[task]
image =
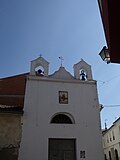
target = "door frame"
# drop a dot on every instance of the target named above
(74, 139)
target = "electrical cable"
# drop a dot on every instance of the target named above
(111, 106)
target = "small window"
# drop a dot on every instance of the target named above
(107, 139)
(61, 119)
(113, 135)
(110, 137)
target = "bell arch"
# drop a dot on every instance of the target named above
(62, 118)
(83, 75)
(39, 71)
(40, 62)
(82, 66)
(116, 155)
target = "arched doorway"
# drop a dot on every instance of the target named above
(105, 157)
(116, 155)
(110, 158)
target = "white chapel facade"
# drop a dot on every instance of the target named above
(61, 118)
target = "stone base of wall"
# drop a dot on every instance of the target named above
(9, 154)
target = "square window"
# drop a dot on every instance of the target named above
(63, 97)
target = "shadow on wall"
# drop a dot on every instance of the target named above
(9, 154)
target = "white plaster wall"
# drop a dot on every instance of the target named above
(42, 102)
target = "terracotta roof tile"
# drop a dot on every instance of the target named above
(12, 90)
(13, 85)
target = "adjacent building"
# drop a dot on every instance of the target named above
(12, 91)
(109, 10)
(111, 141)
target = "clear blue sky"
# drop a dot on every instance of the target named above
(53, 28)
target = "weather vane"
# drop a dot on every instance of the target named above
(61, 58)
(40, 55)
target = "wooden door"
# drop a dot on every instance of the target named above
(61, 149)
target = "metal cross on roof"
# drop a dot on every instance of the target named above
(61, 58)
